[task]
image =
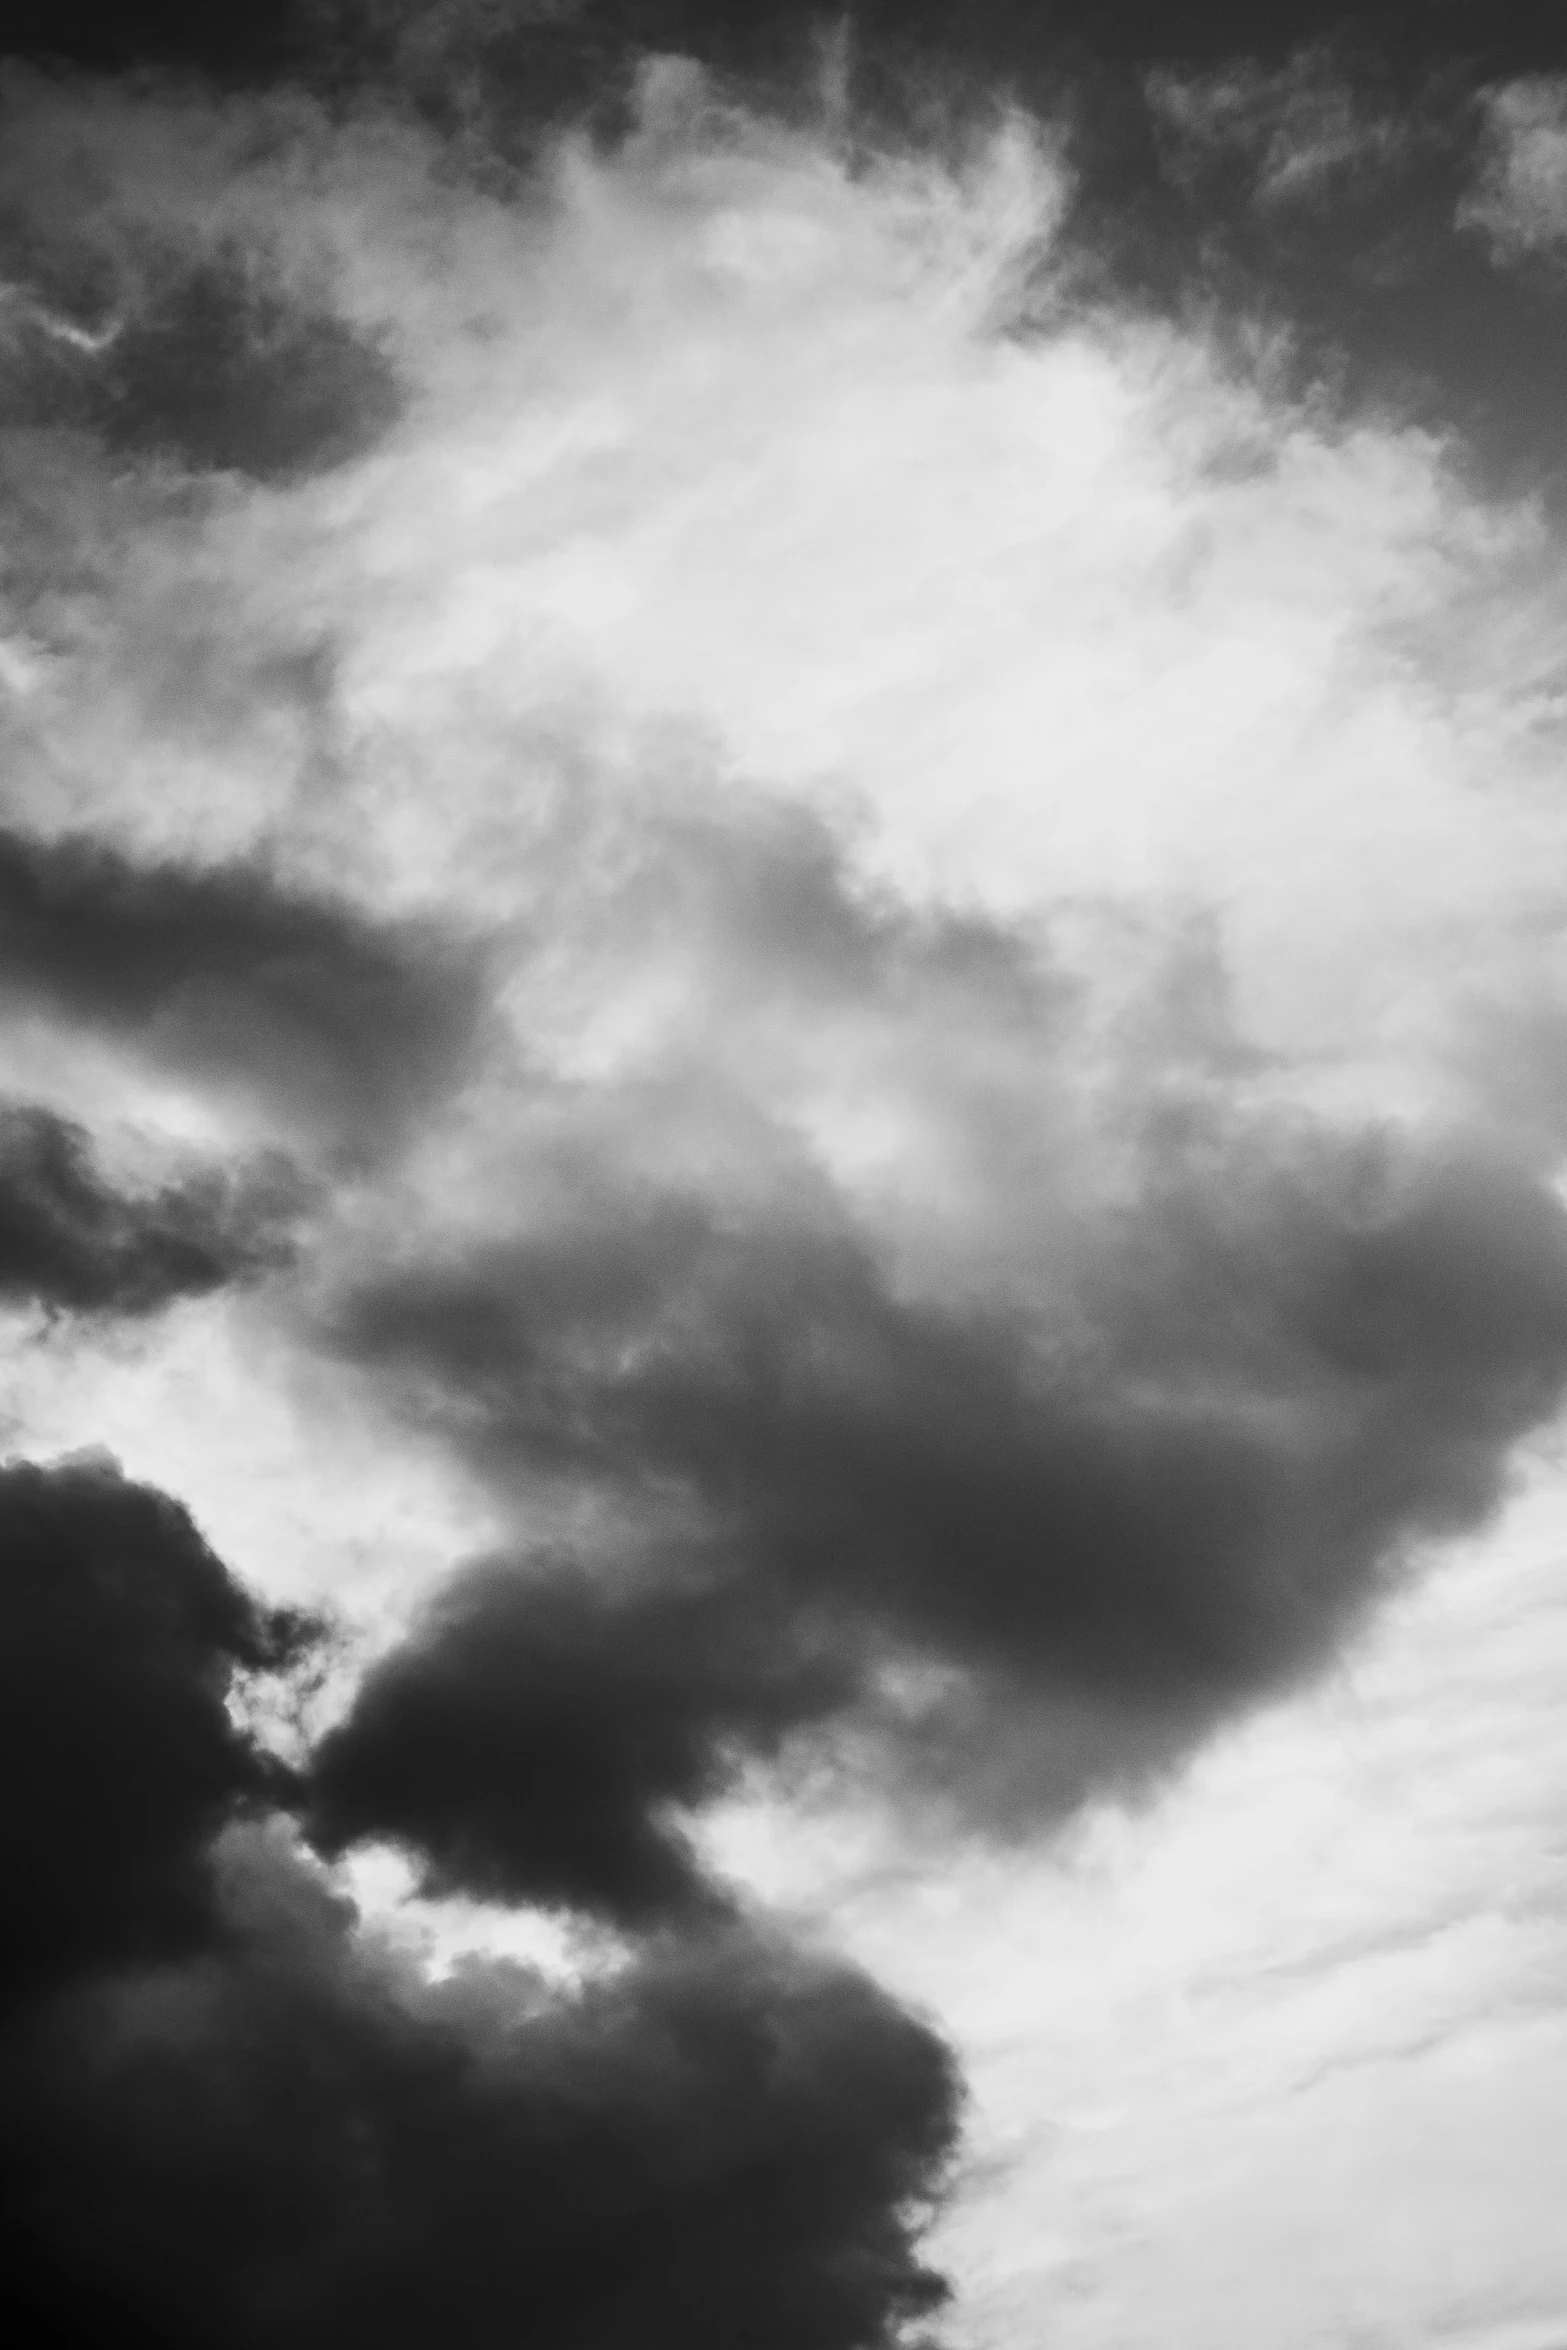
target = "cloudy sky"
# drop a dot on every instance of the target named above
(783, 1175)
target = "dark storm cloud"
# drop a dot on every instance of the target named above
(227, 972)
(295, 2142)
(1288, 1361)
(228, 2114)
(532, 1735)
(69, 1239)
(210, 368)
(121, 1636)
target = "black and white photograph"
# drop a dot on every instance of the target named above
(783, 1175)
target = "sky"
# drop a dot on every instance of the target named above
(783, 1176)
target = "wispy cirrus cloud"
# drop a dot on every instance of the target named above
(1304, 131)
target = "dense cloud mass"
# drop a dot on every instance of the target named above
(123, 1634)
(210, 371)
(532, 1736)
(70, 1239)
(1290, 1368)
(227, 973)
(283, 2134)
(295, 2142)
(1139, 1447)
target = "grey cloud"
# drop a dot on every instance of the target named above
(293, 2140)
(539, 1733)
(227, 2113)
(1029, 1535)
(1021, 1499)
(1289, 1364)
(69, 1239)
(1290, 1360)
(1304, 131)
(139, 306)
(123, 1635)
(229, 973)
(1518, 195)
(208, 366)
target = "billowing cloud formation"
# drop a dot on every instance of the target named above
(228, 2110)
(296, 2143)
(70, 1239)
(123, 1634)
(1086, 1381)
(987, 1348)
(225, 972)
(534, 1736)
(1294, 1359)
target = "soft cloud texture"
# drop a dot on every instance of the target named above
(123, 1636)
(1520, 196)
(225, 2107)
(70, 1240)
(1303, 129)
(908, 919)
(1301, 2018)
(224, 973)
